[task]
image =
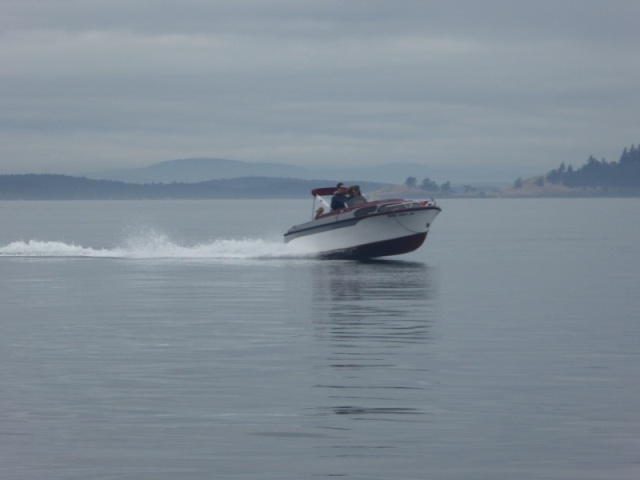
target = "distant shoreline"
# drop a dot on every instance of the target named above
(63, 187)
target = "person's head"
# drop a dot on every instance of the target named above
(355, 190)
(340, 186)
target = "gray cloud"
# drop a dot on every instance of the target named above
(516, 85)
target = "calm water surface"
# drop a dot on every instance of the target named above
(183, 340)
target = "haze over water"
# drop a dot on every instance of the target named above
(174, 340)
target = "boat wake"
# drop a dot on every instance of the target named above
(157, 246)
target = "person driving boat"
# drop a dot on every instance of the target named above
(339, 199)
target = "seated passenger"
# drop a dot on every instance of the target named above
(339, 198)
(355, 196)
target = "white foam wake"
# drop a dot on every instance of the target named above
(156, 246)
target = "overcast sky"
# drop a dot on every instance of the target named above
(520, 85)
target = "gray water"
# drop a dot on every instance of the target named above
(183, 340)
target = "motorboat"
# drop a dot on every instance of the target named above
(364, 228)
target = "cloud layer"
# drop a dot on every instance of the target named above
(505, 84)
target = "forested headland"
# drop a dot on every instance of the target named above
(625, 173)
(595, 178)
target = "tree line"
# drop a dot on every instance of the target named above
(445, 188)
(625, 173)
(429, 185)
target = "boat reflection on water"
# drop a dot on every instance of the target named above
(374, 319)
(387, 301)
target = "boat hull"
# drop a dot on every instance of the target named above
(385, 248)
(349, 235)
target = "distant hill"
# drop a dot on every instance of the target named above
(193, 170)
(201, 169)
(219, 178)
(64, 187)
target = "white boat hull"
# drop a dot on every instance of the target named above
(356, 233)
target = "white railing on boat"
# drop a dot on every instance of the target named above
(322, 208)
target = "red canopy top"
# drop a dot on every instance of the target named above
(324, 191)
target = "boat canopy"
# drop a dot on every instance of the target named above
(324, 191)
